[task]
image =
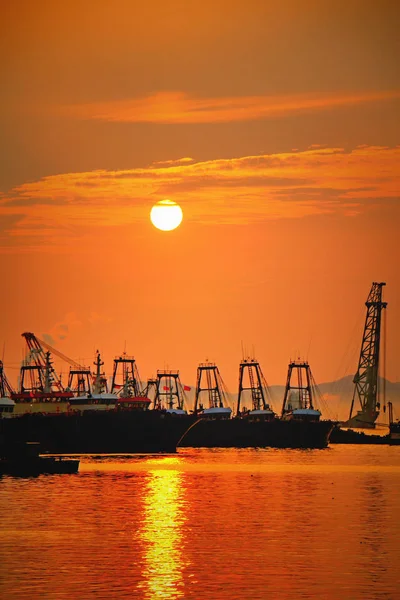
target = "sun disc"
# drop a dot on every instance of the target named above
(166, 215)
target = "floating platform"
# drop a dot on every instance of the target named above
(24, 460)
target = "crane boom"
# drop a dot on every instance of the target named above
(37, 344)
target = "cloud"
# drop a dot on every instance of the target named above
(60, 330)
(239, 190)
(49, 339)
(181, 108)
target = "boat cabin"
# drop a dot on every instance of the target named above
(134, 403)
(214, 413)
(6, 407)
(94, 402)
(266, 414)
(303, 414)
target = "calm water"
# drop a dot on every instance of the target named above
(204, 524)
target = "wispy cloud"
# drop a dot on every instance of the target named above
(239, 190)
(179, 107)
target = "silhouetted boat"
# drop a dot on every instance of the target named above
(24, 460)
(299, 426)
(394, 428)
(121, 430)
(94, 421)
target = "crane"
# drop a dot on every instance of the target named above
(34, 343)
(37, 355)
(366, 378)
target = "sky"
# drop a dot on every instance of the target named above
(274, 125)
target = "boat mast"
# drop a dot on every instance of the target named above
(214, 386)
(150, 388)
(48, 374)
(257, 385)
(5, 387)
(130, 383)
(100, 382)
(79, 380)
(169, 390)
(366, 378)
(302, 387)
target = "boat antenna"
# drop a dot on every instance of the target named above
(309, 346)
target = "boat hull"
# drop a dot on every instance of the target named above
(38, 466)
(242, 433)
(394, 434)
(99, 432)
(340, 435)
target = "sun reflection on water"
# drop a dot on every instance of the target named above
(161, 534)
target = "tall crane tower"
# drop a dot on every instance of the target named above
(366, 382)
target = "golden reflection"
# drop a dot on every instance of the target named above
(161, 534)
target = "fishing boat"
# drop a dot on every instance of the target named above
(253, 388)
(169, 393)
(213, 428)
(305, 427)
(92, 395)
(95, 422)
(259, 426)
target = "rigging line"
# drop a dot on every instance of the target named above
(384, 359)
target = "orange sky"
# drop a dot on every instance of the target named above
(274, 125)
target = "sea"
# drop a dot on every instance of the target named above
(244, 524)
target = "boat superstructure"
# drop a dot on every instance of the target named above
(40, 388)
(253, 387)
(97, 396)
(366, 381)
(169, 392)
(298, 399)
(80, 380)
(126, 384)
(299, 427)
(6, 403)
(210, 386)
(94, 421)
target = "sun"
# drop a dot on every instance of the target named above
(166, 215)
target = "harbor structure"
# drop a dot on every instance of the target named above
(366, 380)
